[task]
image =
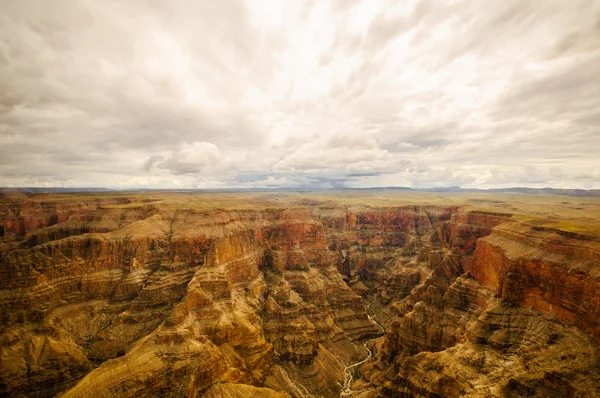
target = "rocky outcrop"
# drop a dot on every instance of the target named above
(509, 351)
(478, 334)
(21, 215)
(120, 296)
(546, 269)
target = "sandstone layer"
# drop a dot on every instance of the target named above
(117, 295)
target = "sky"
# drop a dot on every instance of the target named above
(311, 94)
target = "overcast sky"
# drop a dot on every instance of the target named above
(480, 93)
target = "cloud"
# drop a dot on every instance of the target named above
(192, 158)
(328, 93)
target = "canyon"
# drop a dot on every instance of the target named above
(299, 294)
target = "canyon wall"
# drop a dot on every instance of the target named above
(549, 270)
(125, 296)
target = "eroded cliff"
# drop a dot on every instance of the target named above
(137, 296)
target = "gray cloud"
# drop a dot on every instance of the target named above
(339, 93)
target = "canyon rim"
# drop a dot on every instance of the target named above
(310, 294)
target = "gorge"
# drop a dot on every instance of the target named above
(277, 294)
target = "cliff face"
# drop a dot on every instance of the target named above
(116, 296)
(548, 270)
(482, 316)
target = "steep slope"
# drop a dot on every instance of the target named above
(131, 296)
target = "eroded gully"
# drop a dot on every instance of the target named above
(346, 389)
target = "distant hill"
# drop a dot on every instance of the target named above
(521, 190)
(551, 191)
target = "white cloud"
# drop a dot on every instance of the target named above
(325, 93)
(192, 158)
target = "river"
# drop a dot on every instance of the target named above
(346, 389)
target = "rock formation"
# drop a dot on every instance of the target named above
(132, 295)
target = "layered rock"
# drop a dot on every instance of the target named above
(549, 270)
(113, 296)
(21, 215)
(466, 336)
(508, 351)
